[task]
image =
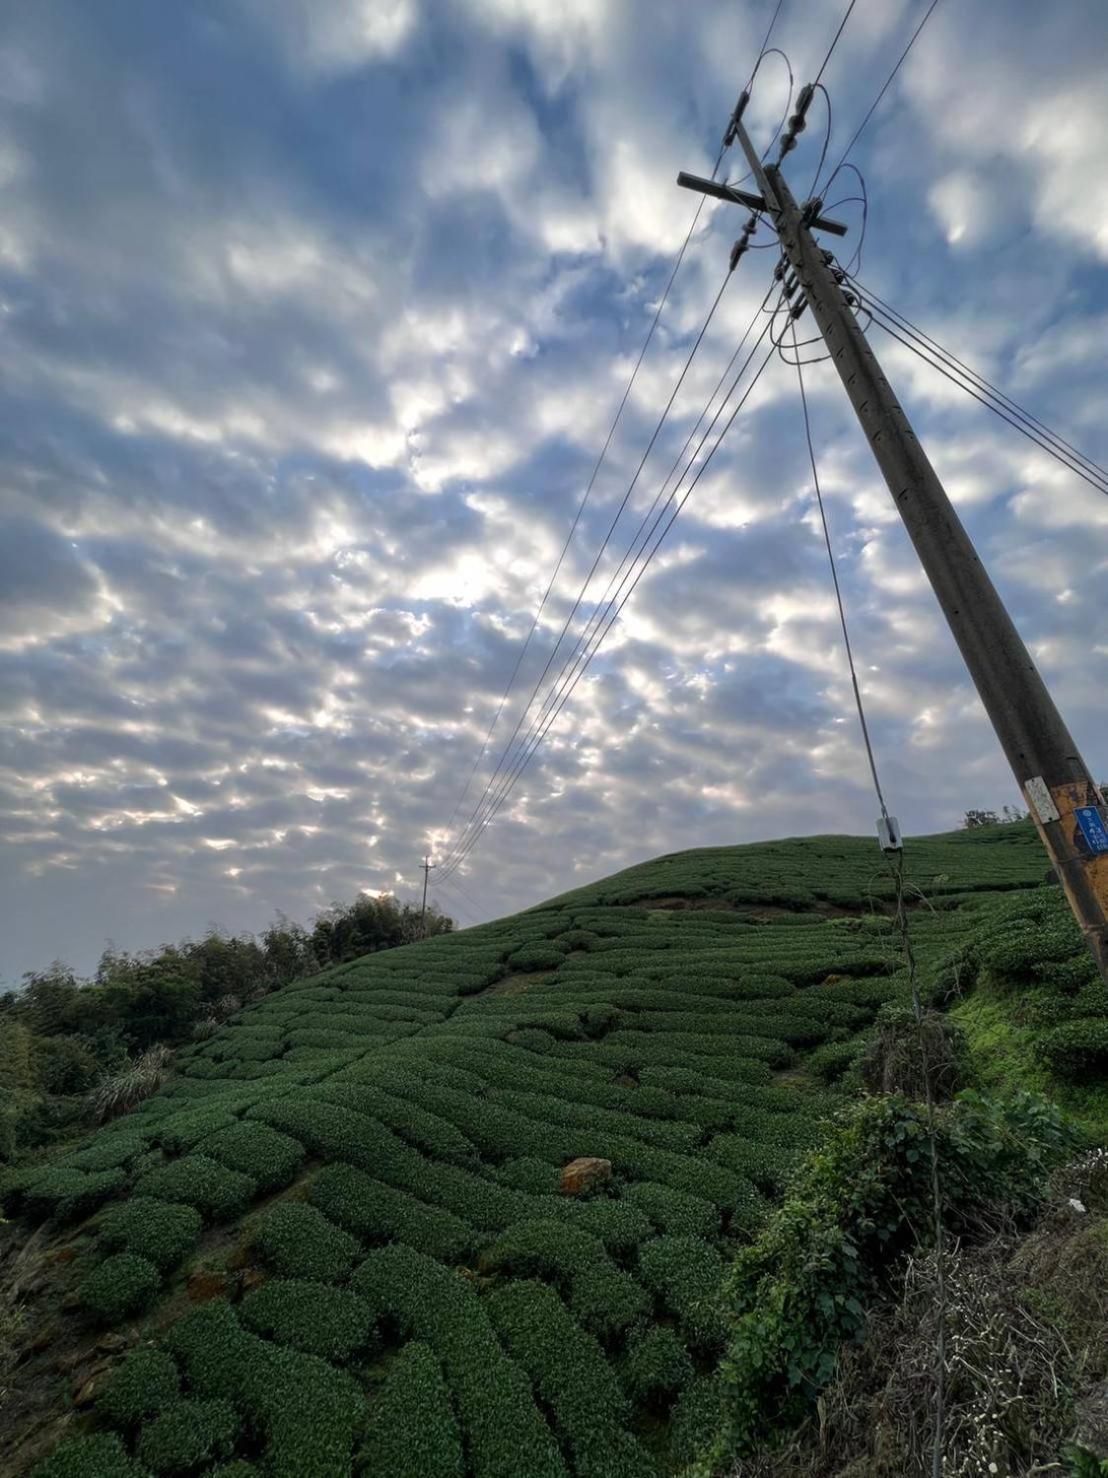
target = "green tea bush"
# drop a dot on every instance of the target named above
(307, 1410)
(685, 1274)
(69, 1194)
(297, 1241)
(313, 1317)
(269, 1158)
(677, 1212)
(603, 1298)
(504, 1432)
(656, 1366)
(1076, 1049)
(573, 1379)
(161, 1231)
(100, 1456)
(537, 1177)
(143, 1382)
(424, 1131)
(537, 957)
(411, 1427)
(187, 1433)
(119, 1286)
(374, 1211)
(695, 1419)
(109, 1151)
(198, 1181)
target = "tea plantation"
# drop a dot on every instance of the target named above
(338, 1242)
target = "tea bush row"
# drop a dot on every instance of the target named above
(411, 1427)
(573, 1379)
(504, 1433)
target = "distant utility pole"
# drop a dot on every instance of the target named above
(427, 866)
(1064, 801)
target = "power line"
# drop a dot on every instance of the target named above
(507, 750)
(835, 581)
(588, 490)
(586, 658)
(495, 794)
(887, 84)
(835, 38)
(585, 635)
(981, 390)
(948, 354)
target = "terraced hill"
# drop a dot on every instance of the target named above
(338, 1241)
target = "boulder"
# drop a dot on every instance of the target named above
(583, 1174)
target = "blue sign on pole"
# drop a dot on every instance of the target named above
(1093, 828)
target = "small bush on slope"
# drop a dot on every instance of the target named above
(411, 1427)
(297, 1241)
(98, 1456)
(120, 1285)
(141, 1384)
(186, 1434)
(309, 1316)
(161, 1231)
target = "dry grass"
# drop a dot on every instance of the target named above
(121, 1091)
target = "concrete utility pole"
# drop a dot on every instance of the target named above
(1064, 801)
(427, 866)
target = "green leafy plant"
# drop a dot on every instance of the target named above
(411, 1426)
(119, 1286)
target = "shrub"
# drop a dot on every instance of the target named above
(505, 1435)
(108, 1151)
(685, 1274)
(199, 1181)
(297, 1241)
(308, 1316)
(267, 1157)
(1077, 1049)
(142, 1383)
(307, 1410)
(69, 1194)
(188, 1433)
(673, 1211)
(161, 1231)
(798, 1292)
(120, 1285)
(372, 1210)
(603, 1298)
(99, 1456)
(411, 1427)
(536, 1177)
(573, 1379)
(537, 957)
(695, 1418)
(656, 1366)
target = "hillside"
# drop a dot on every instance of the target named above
(338, 1240)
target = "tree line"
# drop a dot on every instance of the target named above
(69, 1044)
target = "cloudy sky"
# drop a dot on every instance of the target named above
(315, 315)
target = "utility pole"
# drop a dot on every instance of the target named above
(427, 866)
(1064, 801)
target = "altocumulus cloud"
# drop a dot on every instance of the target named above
(314, 315)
